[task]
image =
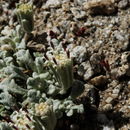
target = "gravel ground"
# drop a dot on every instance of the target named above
(97, 33)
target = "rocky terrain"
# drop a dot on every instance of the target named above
(97, 34)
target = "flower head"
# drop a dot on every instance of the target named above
(25, 7)
(22, 120)
(42, 109)
(62, 59)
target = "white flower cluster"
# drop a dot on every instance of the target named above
(42, 109)
(25, 7)
(62, 58)
(22, 120)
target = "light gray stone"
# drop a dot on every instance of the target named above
(109, 100)
(107, 107)
(123, 4)
(79, 54)
(53, 3)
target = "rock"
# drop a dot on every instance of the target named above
(125, 127)
(66, 6)
(114, 95)
(88, 23)
(6, 47)
(88, 74)
(99, 7)
(53, 3)
(80, 2)
(78, 13)
(99, 80)
(88, 87)
(113, 84)
(120, 35)
(109, 100)
(120, 71)
(55, 43)
(7, 31)
(95, 60)
(107, 107)
(123, 4)
(124, 70)
(85, 70)
(65, 1)
(79, 54)
(116, 91)
(125, 58)
(81, 69)
(114, 74)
